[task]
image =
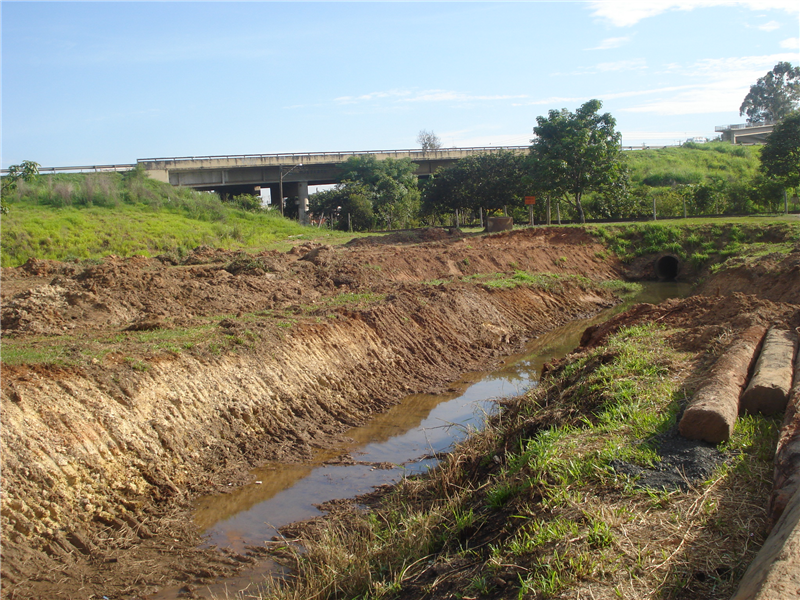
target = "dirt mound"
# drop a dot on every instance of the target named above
(173, 380)
(775, 277)
(411, 236)
(701, 318)
(166, 378)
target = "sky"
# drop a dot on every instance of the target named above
(98, 83)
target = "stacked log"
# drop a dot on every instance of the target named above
(711, 414)
(769, 388)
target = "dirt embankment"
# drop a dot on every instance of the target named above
(172, 380)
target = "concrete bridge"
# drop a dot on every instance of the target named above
(746, 133)
(248, 173)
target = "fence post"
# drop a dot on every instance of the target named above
(549, 222)
(654, 209)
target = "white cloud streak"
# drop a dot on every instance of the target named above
(610, 43)
(791, 44)
(771, 26)
(407, 96)
(721, 85)
(624, 13)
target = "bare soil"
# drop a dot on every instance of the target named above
(131, 386)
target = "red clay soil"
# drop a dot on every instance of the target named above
(133, 385)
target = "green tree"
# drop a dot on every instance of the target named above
(485, 181)
(780, 156)
(349, 204)
(390, 186)
(27, 171)
(574, 153)
(773, 96)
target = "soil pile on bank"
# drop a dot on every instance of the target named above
(132, 385)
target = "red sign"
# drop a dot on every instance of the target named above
(530, 199)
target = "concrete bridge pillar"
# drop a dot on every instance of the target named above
(302, 202)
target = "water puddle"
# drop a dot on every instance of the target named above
(402, 441)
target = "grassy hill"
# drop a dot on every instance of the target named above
(87, 216)
(693, 164)
(80, 217)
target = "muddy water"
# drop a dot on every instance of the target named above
(400, 442)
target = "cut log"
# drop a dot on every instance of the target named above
(774, 574)
(786, 481)
(769, 388)
(711, 414)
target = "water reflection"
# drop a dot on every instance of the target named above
(421, 425)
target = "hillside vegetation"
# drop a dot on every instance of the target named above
(72, 217)
(88, 216)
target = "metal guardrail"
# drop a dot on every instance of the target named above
(720, 128)
(86, 169)
(295, 155)
(414, 151)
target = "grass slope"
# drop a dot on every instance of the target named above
(693, 163)
(533, 507)
(80, 217)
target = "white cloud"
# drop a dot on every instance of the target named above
(721, 86)
(444, 95)
(402, 96)
(791, 44)
(633, 64)
(609, 43)
(660, 138)
(562, 101)
(486, 141)
(624, 13)
(771, 26)
(371, 96)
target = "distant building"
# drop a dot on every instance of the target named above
(746, 133)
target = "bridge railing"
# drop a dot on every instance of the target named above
(298, 155)
(85, 169)
(406, 152)
(743, 126)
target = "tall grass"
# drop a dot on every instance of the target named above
(693, 163)
(79, 216)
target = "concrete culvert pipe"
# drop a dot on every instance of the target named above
(668, 267)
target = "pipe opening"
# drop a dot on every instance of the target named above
(667, 268)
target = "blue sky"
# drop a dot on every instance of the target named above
(102, 83)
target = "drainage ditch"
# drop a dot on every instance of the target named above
(403, 441)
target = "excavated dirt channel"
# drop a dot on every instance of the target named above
(405, 440)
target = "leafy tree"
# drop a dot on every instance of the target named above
(780, 156)
(487, 181)
(390, 186)
(348, 204)
(574, 153)
(773, 96)
(27, 171)
(428, 140)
